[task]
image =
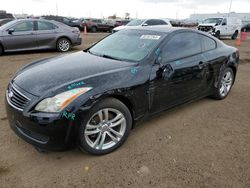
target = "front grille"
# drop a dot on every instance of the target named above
(205, 28)
(16, 99)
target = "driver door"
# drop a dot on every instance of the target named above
(181, 74)
(20, 36)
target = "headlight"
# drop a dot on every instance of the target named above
(60, 101)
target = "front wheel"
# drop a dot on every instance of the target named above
(235, 35)
(217, 34)
(105, 127)
(1, 50)
(225, 84)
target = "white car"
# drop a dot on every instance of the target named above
(144, 22)
(222, 27)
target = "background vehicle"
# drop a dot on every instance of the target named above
(35, 34)
(90, 103)
(67, 21)
(95, 25)
(144, 22)
(222, 27)
(4, 14)
(6, 20)
(121, 22)
(246, 28)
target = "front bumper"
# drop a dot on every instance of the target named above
(77, 42)
(56, 135)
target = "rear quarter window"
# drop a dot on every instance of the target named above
(207, 43)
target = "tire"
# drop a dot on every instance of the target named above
(1, 50)
(63, 45)
(217, 34)
(235, 35)
(93, 29)
(92, 131)
(225, 83)
(110, 30)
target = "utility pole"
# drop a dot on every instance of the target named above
(56, 8)
(230, 7)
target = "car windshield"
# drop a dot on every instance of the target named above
(127, 45)
(7, 24)
(213, 20)
(135, 22)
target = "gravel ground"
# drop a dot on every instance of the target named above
(202, 144)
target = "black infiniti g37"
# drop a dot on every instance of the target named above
(94, 97)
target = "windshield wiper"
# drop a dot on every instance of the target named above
(105, 56)
(111, 57)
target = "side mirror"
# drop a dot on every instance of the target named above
(145, 24)
(224, 23)
(10, 31)
(167, 72)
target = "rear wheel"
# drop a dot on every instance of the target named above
(235, 35)
(225, 84)
(63, 45)
(94, 29)
(105, 127)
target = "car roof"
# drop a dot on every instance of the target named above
(167, 30)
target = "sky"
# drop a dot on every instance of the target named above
(177, 9)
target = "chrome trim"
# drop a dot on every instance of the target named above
(19, 92)
(11, 103)
(16, 90)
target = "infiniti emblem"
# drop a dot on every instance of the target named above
(10, 94)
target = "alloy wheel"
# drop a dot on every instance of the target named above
(64, 45)
(105, 129)
(226, 83)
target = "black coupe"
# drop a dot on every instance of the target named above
(94, 97)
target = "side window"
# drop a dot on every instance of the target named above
(181, 45)
(97, 21)
(161, 22)
(66, 20)
(45, 26)
(151, 22)
(207, 43)
(224, 22)
(24, 26)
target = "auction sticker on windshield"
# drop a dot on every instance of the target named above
(150, 37)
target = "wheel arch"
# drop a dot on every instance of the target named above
(125, 100)
(63, 36)
(234, 71)
(2, 45)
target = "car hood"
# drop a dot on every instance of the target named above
(121, 27)
(207, 24)
(41, 76)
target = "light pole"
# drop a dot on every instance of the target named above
(230, 7)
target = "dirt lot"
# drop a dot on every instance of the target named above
(203, 144)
